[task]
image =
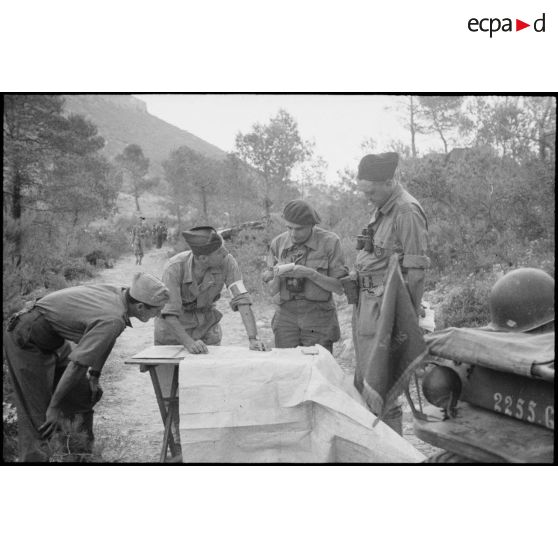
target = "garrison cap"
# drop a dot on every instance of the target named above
(203, 240)
(378, 168)
(300, 213)
(148, 289)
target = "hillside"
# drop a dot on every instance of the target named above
(123, 119)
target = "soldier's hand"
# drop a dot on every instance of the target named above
(257, 345)
(267, 275)
(301, 272)
(52, 415)
(197, 347)
(96, 390)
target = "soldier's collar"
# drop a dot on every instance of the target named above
(388, 205)
(125, 304)
(311, 242)
(189, 269)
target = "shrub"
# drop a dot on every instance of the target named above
(466, 304)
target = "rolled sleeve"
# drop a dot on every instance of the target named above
(232, 275)
(172, 278)
(411, 230)
(96, 343)
(337, 267)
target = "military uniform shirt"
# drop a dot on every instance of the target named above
(400, 227)
(93, 316)
(178, 276)
(323, 253)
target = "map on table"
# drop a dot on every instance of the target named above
(162, 352)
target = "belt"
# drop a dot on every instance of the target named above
(192, 307)
(39, 331)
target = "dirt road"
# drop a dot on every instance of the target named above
(128, 425)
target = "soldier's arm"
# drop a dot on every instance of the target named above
(172, 278)
(336, 270)
(327, 283)
(192, 346)
(272, 281)
(72, 375)
(411, 228)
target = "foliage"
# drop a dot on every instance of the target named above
(135, 167)
(273, 149)
(55, 183)
(465, 304)
(440, 114)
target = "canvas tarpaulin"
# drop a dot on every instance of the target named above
(505, 351)
(279, 406)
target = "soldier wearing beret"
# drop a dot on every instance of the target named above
(54, 380)
(398, 226)
(305, 264)
(195, 279)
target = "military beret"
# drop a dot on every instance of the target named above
(300, 213)
(378, 167)
(203, 240)
(148, 289)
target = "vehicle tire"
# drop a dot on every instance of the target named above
(447, 457)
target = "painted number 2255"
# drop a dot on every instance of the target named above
(522, 410)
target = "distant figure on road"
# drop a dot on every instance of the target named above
(53, 380)
(160, 233)
(139, 232)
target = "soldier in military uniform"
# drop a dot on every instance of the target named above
(305, 264)
(53, 380)
(139, 233)
(195, 279)
(398, 226)
(160, 233)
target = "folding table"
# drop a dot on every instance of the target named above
(162, 362)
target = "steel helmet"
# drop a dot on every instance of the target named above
(442, 387)
(522, 300)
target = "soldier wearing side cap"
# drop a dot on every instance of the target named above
(398, 226)
(53, 380)
(195, 279)
(305, 264)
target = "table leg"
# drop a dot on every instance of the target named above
(168, 407)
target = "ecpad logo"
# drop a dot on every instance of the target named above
(492, 25)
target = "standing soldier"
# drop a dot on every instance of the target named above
(159, 233)
(195, 279)
(398, 226)
(138, 239)
(305, 264)
(53, 380)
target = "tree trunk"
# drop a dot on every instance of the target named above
(178, 218)
(444, 140)
(136, 198)
(16, 214)
(203, 195)
(266, 200)
(412, 128)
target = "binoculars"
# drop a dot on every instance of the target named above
(295, 284)
(364, 241)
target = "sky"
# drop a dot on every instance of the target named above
(337, 124)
